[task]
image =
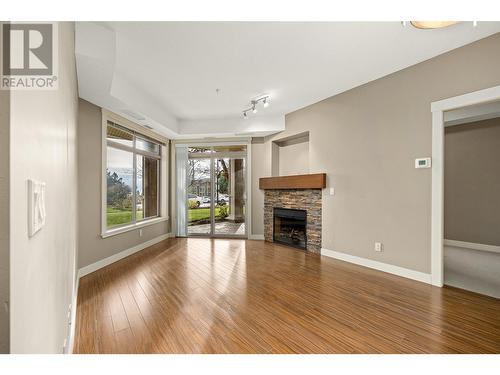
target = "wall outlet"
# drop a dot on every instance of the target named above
(332, 191)
(378, 246)
(140, 232)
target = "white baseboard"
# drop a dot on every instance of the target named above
(384, 267)
(256, 237)
(472, 246)
(123, 254)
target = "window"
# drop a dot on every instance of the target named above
(132, 177)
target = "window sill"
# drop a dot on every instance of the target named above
(128, 228)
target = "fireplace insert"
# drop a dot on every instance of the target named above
(289, 227)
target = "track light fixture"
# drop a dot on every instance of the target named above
(254, 103)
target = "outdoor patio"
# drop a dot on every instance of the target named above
(225, 228)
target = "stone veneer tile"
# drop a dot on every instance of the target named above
(301, 199)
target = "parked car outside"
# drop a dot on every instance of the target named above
(223, 199)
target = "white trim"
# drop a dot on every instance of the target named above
(104, 157)
(128, 228)
(476, 97)
(473, 246)
(256, 237)
(437, 200)
(384, 267)
(437, 209)
(123, 254)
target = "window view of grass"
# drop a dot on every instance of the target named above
(116, 216)
(199, 214)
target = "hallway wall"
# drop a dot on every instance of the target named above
(471, 205)
(472, 182)
(4, 218)
(43, 131)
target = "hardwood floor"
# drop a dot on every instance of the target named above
(236, 296)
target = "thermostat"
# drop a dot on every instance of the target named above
(423, 163)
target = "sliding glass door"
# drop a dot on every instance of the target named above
(216, 191)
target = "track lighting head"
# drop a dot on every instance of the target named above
(253, 105)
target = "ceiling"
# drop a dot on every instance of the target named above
(192, 79)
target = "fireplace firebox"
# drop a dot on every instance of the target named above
(289, 227)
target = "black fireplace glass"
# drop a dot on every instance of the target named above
(289, 227)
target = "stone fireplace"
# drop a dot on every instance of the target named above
(306, 200)
(292, 210)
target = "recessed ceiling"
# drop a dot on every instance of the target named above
(168, 72)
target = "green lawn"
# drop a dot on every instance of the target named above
(117, 217)
(196, 214)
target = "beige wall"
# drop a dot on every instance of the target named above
(4, 218)
(294, 159)
(472, 182)
(42, 268)
(92, 247)
(260, 168)
(366, 140)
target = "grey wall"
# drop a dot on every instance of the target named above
(366, 140)
(472, 182)
(92, 247)
(43, 148)
(4, 218)
(294, 159)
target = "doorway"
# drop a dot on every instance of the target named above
(216, 191)
(471, 199)
(439, 109)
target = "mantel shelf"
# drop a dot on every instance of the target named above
(303, 181)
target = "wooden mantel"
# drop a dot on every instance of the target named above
(302, 181)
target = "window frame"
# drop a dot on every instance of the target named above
(137, 131)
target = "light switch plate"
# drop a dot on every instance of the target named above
(36, 206)
(332, 191)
